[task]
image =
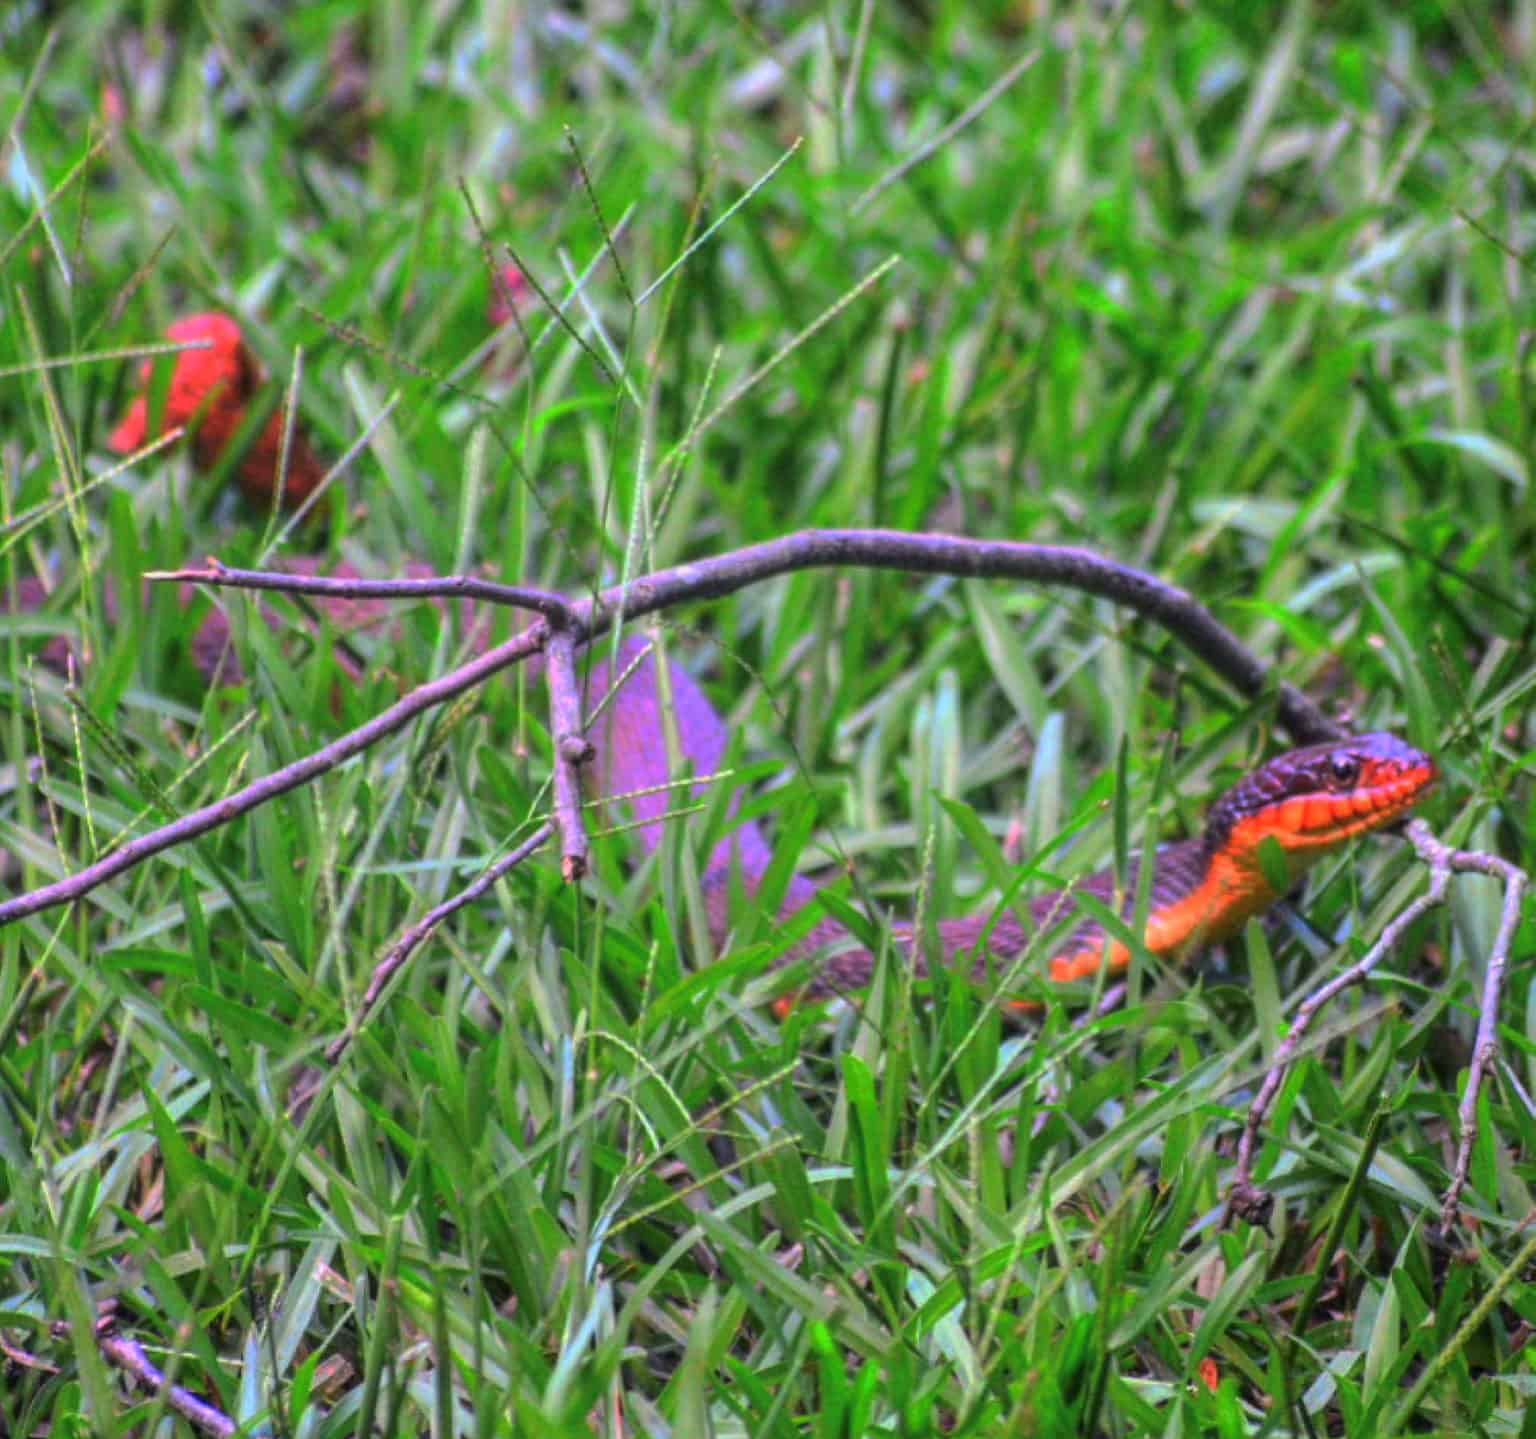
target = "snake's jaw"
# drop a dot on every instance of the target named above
(1310, 801)
(1302, 804)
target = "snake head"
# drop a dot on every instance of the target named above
(1309, 800)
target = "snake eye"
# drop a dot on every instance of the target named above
(1344, 770)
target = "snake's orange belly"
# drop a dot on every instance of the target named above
(1217, 908)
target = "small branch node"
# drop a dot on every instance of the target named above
(574, 749)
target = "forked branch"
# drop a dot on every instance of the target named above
(1247, 1201)
(584, 619)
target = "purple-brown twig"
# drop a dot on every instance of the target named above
(280, 781)
(554, 607)
(1176, 610)
(129, 1356)
(402, 949)
(572, 749)
(1484, 1046)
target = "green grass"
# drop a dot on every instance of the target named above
(1238, 293)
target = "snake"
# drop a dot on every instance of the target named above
(1258, 841)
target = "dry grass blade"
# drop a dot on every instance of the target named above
(978, 107)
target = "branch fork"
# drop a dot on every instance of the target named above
(1245, 1199)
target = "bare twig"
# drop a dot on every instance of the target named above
(1245, 1200)
(1484, 1046)
(1174, 609)
(416, 935)
(1154, 599)
(554, 607)
(129, 1356)
(23, 1359)
(572, 749)
(290, 777)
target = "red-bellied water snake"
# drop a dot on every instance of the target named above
(1203, 889)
